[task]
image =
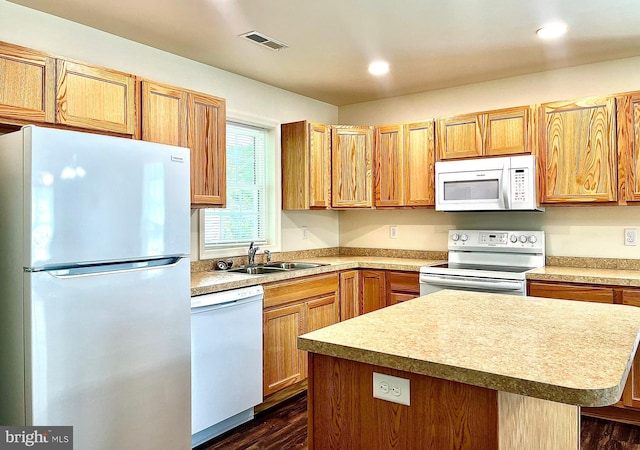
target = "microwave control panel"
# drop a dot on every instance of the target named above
(520, 189)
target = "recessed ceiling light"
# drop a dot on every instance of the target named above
(379, 68)
(552, 31)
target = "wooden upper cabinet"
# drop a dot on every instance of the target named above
(460, 137)
(507, 131)
(577, 155)
(164, 114)
(389, 166)
(207, 141)
(628, 137)
(175, 116)
(306, 165)
(95, 98)
(404, 165)
(27, 85)
(351, 166)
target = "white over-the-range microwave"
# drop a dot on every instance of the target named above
(487, 184)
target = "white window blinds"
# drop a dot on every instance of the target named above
(244, 218)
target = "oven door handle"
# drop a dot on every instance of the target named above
(450, 282)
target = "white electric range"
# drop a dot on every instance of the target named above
(486, 261)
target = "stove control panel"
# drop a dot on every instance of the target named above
(484, 239)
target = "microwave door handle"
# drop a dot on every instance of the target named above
(505, 186)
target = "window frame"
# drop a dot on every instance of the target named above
(272, 191)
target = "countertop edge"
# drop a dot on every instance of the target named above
(580, 397)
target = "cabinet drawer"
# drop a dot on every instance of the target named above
(406, 282)
(289, 291)
(571, 292)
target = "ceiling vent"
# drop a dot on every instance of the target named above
(264, 40)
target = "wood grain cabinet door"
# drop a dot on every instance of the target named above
(27, 84)
(460, 137)
(564, 291)
(578, 160)
(402, 286)
(389, 167)
(319, 165)
(321, 312)
(349, 289)
(164, 114)
(419, 164)
(508, 132)
(373, 293)
(351, 167)
(628, 120)
(284, 364)
(207, 140)
(95, 98)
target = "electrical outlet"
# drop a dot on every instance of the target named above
(630, 236)
(393, 232)
(305, 233)
(392, 389)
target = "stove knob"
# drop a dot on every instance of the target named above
(513, 238)
(523, 239)
(533, 239)
(464, 237)
(455, 237)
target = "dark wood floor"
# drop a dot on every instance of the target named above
(285, 428)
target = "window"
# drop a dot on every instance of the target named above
(245, 218)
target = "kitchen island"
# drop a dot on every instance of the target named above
(485, 372)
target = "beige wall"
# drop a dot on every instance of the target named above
(246, 98)
(570, 231)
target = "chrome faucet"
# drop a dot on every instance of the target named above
(252, 253)
(267, 255)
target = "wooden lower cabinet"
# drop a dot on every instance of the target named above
(293, 308)
(373, 293)
(349, 290)
(402, 286)
(628, 408)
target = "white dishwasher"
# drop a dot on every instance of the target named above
(226, 360)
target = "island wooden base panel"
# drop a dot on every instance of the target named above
(443, 414)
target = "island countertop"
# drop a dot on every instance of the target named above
(565, 351)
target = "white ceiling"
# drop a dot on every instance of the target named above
(429, 44)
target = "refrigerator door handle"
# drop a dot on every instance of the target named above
(106, 269)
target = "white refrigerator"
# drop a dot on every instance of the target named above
(94, 288)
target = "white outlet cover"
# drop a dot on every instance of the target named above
(392, 389)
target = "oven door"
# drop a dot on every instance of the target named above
(472, 185)
(433, 283)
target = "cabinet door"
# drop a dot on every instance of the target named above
(460, 137)
(164, 114)
(351, 167)
(373, 293)
(586, 293)
(577, 151)
(508, 132)
(628, 112)
(95, 98)
(319, 166)
(631, 393)
(389, 166)
(419, 164)
(284, 364)
(207, 141)
(402, 286)
(349, 302)
(27, 84)
(321, 312)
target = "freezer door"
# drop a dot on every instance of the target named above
(92, 198)
(110, 355)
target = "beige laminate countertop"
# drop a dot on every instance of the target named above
(570, 352)
(217, 280)
(616, 277)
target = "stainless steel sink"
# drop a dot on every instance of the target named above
(257, 270)
(274, 267)
(295, 265)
